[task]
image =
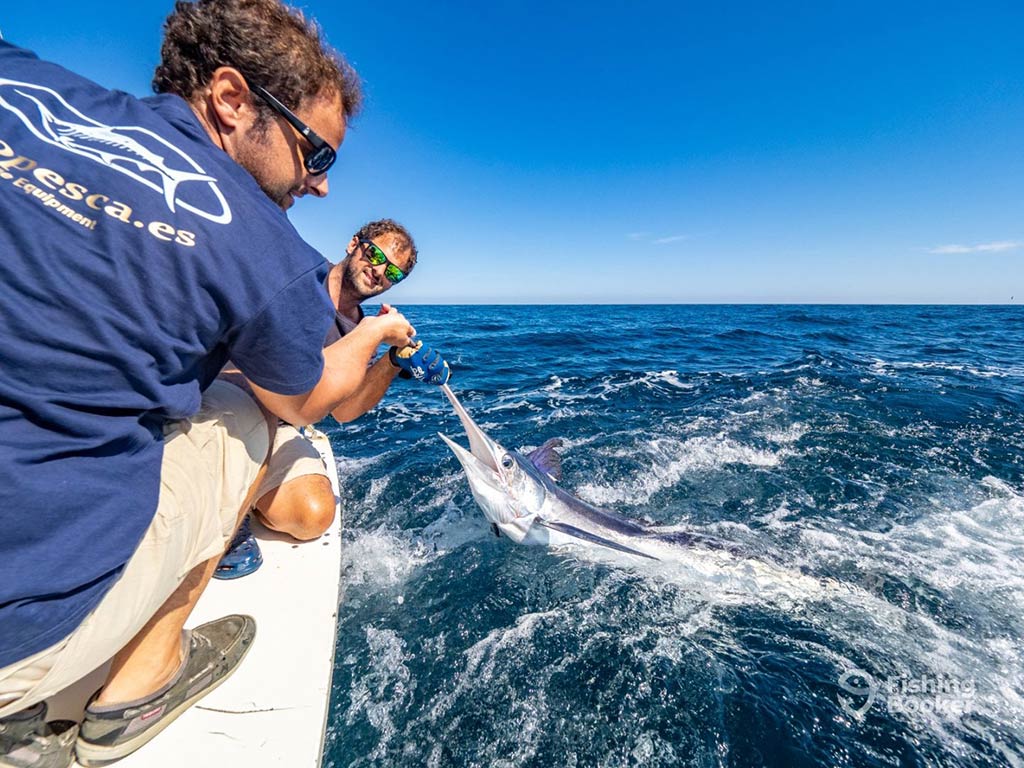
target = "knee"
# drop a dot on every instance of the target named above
(302, 508)
(316, 516)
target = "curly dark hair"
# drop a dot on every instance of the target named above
(271, 44)
(391, 227)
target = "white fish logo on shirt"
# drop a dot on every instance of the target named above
(132, 150)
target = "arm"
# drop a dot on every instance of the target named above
(345, 369)
(378, 378)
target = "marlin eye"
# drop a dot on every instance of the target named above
(507, 461)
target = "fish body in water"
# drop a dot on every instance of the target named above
(519, 494)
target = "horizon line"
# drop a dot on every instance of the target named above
(507, 303)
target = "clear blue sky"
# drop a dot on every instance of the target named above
(549, 152)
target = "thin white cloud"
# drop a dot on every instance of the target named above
(996, 247)
(647, 237)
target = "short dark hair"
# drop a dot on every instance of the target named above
(391, 227)
(270, 43)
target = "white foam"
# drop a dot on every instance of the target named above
(454, 528)
(482, 656)
(611, 388)
(669, 459)
(758, 396)
(381, 558)
(670, 377)
(386, 687)
(786, 435)
(518, 404)
(895, 367)
(776, 518)
(485, 664)
(350, 466)
(554, 385)
(399, 412)
(972, 557)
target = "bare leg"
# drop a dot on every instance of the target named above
(303, 507)
(153, 656)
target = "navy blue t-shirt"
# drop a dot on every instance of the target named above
(135, 258)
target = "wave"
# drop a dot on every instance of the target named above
(745, 334)
(665, 461)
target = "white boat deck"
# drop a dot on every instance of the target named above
(273, 710)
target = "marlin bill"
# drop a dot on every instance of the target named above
(521, 498)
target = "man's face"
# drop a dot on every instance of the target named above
(274, 153)
(362, 279)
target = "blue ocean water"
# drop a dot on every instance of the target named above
(867, 464)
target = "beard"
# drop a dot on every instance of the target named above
(251, 154)
(350, 282)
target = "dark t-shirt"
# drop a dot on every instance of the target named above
(135, 256)
(342, 325)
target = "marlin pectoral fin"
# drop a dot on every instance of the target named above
(548, 460)
(570, 530)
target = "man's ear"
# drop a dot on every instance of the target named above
(353, 244)
(231, 99)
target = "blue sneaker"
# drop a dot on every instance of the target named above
(242, 557)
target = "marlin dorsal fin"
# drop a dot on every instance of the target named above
(547, 458)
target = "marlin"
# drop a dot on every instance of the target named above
(521, 498)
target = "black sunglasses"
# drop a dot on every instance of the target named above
(323, 155)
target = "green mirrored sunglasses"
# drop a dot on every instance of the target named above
(376, 257)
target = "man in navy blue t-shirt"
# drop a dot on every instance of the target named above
(142, 244)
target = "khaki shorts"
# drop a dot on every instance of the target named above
(209, 464)
(292, 456)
